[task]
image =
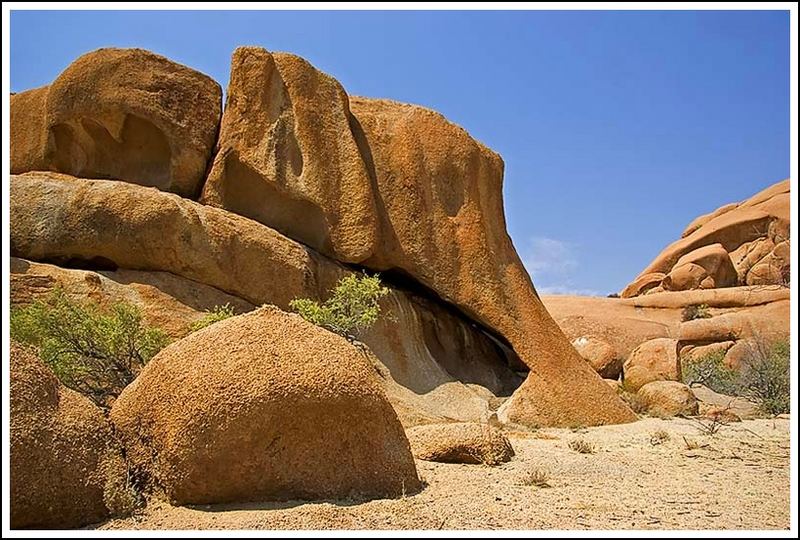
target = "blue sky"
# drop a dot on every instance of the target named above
(617, 128)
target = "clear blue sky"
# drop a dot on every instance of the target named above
(617, 128)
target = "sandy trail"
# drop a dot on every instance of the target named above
(737, 479)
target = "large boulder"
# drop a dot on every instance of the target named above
(395, 188)
(63, 454)
(460, 443)
(708, 267)
(175, 258)
(600, 354)
(668, 398)
(754, 234)
(85, 222)
(654, 360)
(287, 156)
(263, 406)
(125, 114)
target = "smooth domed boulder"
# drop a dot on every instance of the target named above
(287, 157)
(708, 267)
(600, 354)
(460, 443)
(263, 406)
(125, 114)
(654, 360)
(746, 231)
(643, 284)
(63, 454)
(668, 398)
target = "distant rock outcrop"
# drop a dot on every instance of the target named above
(125, 114)
(264, 406)
(738, 244)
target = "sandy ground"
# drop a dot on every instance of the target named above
(737, 479)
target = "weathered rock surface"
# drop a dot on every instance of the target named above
(127, 226)
(711, 402)
(264, 406)
(600, 354)
(124, 114)
(668, 398)
(167, 301)
(654, 360)
(287, 156)
(62, 450)
(754, 234)
(460, 443)
(395, 188)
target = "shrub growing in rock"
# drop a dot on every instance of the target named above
(219, 313)
(711, 371)
(695, 311)
(765, 376)
(93, 351)
(353, 306)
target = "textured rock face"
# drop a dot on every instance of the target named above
(600, 354)
(654, 360)
(287, 156)
(754, 234)
(125, 114)
(264, 406)
(460, 443)
(177, 258)
(61, 450)
(668, 398)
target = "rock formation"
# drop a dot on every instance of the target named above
(390, 187)
(263, 406)
(63, 455)
(460, 443)
(668, 398)
(125, 114)
(737, 244)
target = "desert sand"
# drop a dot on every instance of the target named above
(735, 479)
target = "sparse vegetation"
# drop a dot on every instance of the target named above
(582, 446)
(659, 437)
(218, 313)
(695, 311)
(763, 376)
(537, 476)
(97, 352)
(353, 306)
(711, 371)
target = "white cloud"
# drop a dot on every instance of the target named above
(551, 263)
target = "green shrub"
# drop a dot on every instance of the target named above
(765, 376)
(219, 313)
(353, 306)
(695, 311)
(93, 351)
(711, 371)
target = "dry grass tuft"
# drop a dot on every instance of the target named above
(659, 437)
(538, 477)
(582, 446)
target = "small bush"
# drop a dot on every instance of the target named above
(659, 437)
(695, 311)
(537, 477)
(95, 352)
(219, 313)
(353, 307)
(765, 376)
(711, 371)
(582, 446)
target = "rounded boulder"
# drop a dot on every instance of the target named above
(263, 406)
(668, 398)
(460, 443)
(653, 360)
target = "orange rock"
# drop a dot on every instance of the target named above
(654, 360)
(708, 267)
(601, 356)
(125, 114)
(668, 398)
(264, 406)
